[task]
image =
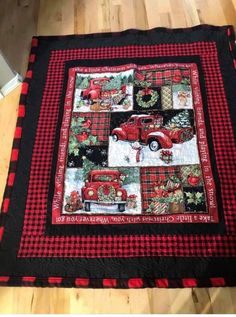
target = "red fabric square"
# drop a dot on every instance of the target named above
(162, 282)
(11, 178)
(135, 283)
(217, 281)
(14, 155)
(109, 282)
(1, 232)
(81, 282)
(6, 203)
(24, 89)
(29, 279)
(189, 282)
(32, 58)
(21, 111)
(4, 279)
(34, 42)
(29, 74)
(18, 132)
(54, 280)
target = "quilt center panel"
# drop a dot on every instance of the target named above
(133, 147)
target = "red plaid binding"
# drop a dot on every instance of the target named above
(232, 45)
(115, 283)
(17, 135)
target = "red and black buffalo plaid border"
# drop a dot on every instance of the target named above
(30, 257)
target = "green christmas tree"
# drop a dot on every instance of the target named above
(181, 120)
(85, 83)
(130, 78)
(78, 81)
(114, 83)
(87, 167)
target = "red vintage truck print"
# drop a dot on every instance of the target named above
(104, 187)
(94, 91)
(149, 130)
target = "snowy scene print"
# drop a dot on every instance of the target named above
(153, 139)
(182, 97)
(104, 92)
(96, 190)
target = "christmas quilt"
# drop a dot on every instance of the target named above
(122, 171)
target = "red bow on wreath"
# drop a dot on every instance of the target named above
(146, 91)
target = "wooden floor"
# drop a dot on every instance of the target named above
(19, 20)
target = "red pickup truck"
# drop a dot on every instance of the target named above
(104, 187)
(94, 91)
(149, 129)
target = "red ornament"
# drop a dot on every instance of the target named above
(177, 76)
(146, 91)
(82, 137)
(193, 180)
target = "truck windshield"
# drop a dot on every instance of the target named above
(145, 121)
(104, 178)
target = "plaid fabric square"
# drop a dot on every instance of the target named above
(100, 124)
(162, 77)
(150, 176)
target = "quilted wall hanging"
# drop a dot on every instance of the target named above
(122, 170)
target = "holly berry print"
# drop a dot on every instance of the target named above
(80, 135)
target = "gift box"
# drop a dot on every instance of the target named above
(166, 156)
(131, 201)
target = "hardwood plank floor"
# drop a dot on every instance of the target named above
(19, 20)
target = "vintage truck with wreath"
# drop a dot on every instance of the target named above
(149, 130)
(104, 187)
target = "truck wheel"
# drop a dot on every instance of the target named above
(121, 207)
(154, 145)
(87, 206)
(115, 137)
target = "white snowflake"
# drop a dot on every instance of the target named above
(103, 152)
(104, 163)
(89, 151)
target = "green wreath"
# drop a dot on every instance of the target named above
(110, 196)
(149, 103)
